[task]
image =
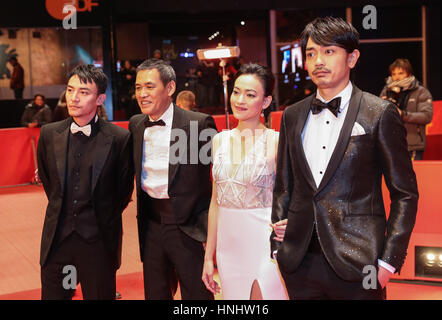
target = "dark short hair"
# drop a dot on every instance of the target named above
(262, 73)
(39, 95)
(13, 58)
(401, 64)
(331, 31)
(165, 70)
(92, 74)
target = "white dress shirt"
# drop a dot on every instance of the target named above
(155, 164)
(321, 133)
(319, 138)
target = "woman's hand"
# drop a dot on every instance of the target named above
(208, 270)
(279, 229)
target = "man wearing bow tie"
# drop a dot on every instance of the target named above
(85, 165)
(173, 198)
(334, 148)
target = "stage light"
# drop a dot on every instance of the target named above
(213, 36)
(187, 54)
(218, 53)
(243, 23)
(222, 53)
(430, 259)
(428, 262)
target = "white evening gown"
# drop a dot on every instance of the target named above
(245, 206)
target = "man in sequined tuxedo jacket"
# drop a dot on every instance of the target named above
(334, 147)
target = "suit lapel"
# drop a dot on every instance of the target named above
(180, 121)
(299, 149)
(61, 150)
(344, 137)
(103, 146)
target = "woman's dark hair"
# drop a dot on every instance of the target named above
(262, 73)
(331, 31)
(401, 64)
(92, 74)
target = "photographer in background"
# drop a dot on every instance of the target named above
(37, 112)
(414, 103)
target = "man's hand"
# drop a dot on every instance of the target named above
(383, 276)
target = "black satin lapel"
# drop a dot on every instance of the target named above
(344, 137)
(299, 151)
(61, 153)
(180, 121)
(138, 148)
(104, 144)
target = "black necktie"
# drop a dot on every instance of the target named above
(333, 106)
(154, 123)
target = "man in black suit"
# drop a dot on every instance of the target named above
(334, 148)
(173, 185)
(85, 165)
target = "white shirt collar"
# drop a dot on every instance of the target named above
(345, 95)
(167, 116)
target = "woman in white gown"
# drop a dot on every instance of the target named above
(243, 172)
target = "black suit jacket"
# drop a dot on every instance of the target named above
(190, 188)
(347, 205)
(112, 181)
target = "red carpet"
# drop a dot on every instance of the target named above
(130, 286)
(21, 219)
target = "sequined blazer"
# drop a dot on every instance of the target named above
(347, 208)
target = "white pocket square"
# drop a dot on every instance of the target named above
(357, 130)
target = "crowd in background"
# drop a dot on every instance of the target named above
(204, 92)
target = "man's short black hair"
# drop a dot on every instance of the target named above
(331, 31)
(92, 74)
(165, 70)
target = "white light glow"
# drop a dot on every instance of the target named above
(217, 54)
(431, 256)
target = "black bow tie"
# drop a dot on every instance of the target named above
(333, 106)
(154, 123)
